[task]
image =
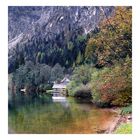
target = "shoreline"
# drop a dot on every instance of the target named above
(120, 119)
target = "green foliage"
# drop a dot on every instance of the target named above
(110, 86)
(42, 58)
(110, 42)
(108, 48)
(114, 41)
(38, 57)
(80, 78)
(57, 73)
(126, 110)
(61, 48)
(73, 87)
(81, 38)
(113, 86)
(82, 74)
(39, 76)
(84, 92)
(79, 59)
(70, 46)
(90, 54)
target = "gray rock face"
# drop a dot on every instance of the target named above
(20, 19)
(53, 20)
(48, 30)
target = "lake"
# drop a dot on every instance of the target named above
(65, 117)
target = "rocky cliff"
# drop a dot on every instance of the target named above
(40, 31)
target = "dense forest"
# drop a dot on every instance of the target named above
(98, 62)
(107, 72)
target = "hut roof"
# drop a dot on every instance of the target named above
(59, 86)
(65, 80)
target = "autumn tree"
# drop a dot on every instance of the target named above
(114, 41)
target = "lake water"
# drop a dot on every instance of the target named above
(68, 117)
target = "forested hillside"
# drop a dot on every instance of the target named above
(59, 32)
(91, 44)
(107, 72)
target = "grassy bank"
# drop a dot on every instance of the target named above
(124, 128)
(124, 125)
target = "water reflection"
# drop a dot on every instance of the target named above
(58, 117)
(63, 102)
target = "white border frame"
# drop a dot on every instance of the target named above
(4, 68)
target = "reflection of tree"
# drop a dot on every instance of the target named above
(57, 118)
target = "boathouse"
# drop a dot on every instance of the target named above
(61, 87)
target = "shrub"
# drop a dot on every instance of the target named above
(81, 76)
(72, 88)
(84, 92)
(126, 110)
(113, 86)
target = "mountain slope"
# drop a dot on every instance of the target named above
(51, 34)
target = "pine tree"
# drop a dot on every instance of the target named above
(79, 59)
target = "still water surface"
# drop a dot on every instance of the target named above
(69, 117)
